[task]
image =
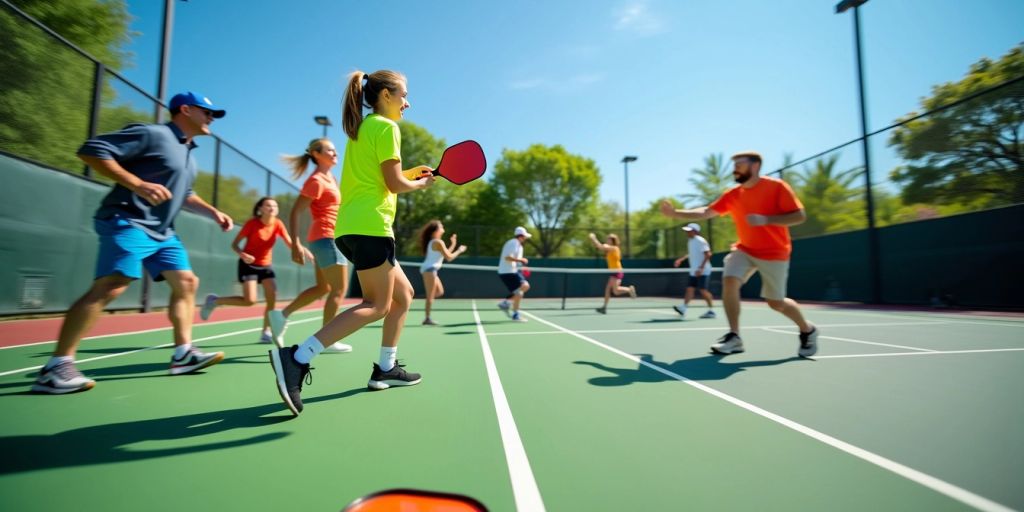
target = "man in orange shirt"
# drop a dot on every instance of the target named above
(763, 209)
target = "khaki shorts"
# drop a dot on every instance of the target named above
(773, 272)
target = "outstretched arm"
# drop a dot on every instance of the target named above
(701, 213)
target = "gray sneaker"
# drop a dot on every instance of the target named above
(60, 379)
(708, 314)
(809, 342)
(731, 343)
(290, 375)
(680, 308)
(208, 305)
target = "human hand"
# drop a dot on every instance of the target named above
(153, 193)
(667, 208)
(300, 253)
(224, 220)
(246, 257)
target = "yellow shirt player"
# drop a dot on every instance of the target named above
(613, 255)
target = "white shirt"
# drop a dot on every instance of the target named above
(514, 249)
(695, 248)
(434, 257)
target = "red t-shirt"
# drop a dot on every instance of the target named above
(321, 189)
(769, 196)
(260, 238)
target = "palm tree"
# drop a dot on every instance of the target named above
(711, 181)
(831, 199)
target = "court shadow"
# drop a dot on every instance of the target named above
(111, 443)
(459, 333)
(661, 320)
(468, 324)
(705, 368)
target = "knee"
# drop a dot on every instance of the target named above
(777, 305)
(190, 284)
(525, 287)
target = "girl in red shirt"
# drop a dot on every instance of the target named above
(254, 262)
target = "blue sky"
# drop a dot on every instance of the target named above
(667, 80)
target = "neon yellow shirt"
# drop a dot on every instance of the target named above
(367, 206)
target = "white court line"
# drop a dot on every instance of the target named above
(932, 353)
(718, 328)
(941, 486)
(940, 316)
(156, 329)
(851, 340)
(524, 486)
(165, 345)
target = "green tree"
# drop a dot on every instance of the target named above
(550, 187)
(45, 87)
(832, 200)
(973, 150)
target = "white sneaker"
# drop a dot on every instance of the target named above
(809, 343)
(680, 308)
(506, 306)
(708, 314)
(632, 291)
(731, 343)
(338, 347)
(278, 324)
(266, 337)
(517, 318)
(208, 305)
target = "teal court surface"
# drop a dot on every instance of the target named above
(570, 411)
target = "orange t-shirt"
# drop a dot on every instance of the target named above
(260, 239)
(769, 196)
(614, 258)
(321, 189)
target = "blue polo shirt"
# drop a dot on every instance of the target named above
(157, 153)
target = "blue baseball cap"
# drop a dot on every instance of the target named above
(192, 98)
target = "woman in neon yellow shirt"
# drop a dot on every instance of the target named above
(371, 179)
(614, 257)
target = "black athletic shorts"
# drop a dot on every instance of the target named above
(512, 281)
(366, 252)
(247, 272)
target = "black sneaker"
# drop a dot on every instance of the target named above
(602, 310)
(808, 343)
(397, 376)
(290, 374)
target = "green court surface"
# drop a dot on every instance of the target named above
(570, 411)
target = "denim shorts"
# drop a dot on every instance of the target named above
(326, 253)
(126, 249)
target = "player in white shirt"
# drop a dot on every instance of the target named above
(435, 253)
(511, 275)
(699, 254)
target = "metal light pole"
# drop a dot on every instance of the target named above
(873, 246)
(323, 121)
(625, 172)
(165, 60)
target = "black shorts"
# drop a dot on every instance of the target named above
(366, 252)
(700, 283)
(512, 281)
(247, 272)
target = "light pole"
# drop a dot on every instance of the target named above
(873, 248)
(625, 172)
(323, 121)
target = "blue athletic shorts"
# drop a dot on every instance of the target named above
(326, 253)
(700, 283)
(125, 249)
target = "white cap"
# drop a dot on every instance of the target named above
(521, 231)
(693, 226)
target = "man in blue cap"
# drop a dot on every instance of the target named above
(153, 169)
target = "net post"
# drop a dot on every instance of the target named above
(565, 288)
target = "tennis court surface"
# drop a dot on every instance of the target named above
(572, 410)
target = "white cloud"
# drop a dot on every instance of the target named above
(636, 17)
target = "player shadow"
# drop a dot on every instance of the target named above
(661, 320)
(466, 324)
(113, 442)
(705, 368)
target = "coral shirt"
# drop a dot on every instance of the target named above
(260, 238)
(324, 198)
(769, 196)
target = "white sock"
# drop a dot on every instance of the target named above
(181, 350)
(308, 350)
(388, 356)
(55, 360)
